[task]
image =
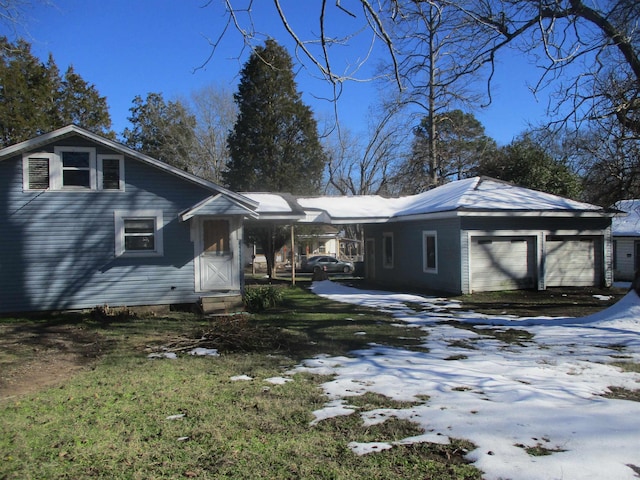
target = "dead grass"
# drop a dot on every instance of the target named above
(553, 302)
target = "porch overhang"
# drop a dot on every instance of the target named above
(219, 205)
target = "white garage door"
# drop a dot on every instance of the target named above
(502, 263)
(570, 262)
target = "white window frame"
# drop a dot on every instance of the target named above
(101, 159)
(25, 169)
(57, 170)
(428, 234)
(119, 218)
(387, 262)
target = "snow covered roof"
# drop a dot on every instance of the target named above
(276, 206)
(477, 195)
(627, 225)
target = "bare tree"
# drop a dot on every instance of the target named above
(588, 50)
(608, 161)
(362, 164)
(215, 113)
(14, 16)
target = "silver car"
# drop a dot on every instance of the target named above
(328, 264)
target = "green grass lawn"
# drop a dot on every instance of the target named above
(114, 418)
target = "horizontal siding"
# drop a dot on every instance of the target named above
(407, 269)
(57, 248)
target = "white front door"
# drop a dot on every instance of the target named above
(216, 246)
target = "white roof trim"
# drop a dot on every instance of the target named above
(193, 211)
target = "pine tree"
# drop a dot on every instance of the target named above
(162, 130)
(35, 99)
(80, 103)
(274, 144)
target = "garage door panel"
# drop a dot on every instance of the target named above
(571, 262)
(502, 263)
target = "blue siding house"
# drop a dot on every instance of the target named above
(477, 234)
(87, 221)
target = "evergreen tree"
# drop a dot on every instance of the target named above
(525, 163)
(274, 144)
(35, 99)
(162, 130)
(25, 93)
(462, 145)
(79, 103)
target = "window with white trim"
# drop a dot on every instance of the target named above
(36, 171)
(111, 172)
(430, 252)
(73, 169)
(138, 233)
(76, 168)
(387, 250)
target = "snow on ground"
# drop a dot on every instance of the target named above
(545, 391)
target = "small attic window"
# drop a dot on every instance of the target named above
(111, 172)
(38, 173)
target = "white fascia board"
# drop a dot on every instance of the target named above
(193, 211)
(323, 217)
(36, 142)
(279, 217)
(502, 214)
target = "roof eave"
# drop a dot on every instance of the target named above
(503, 213)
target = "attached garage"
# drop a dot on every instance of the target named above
(572, 261)
(502, 263)
(483, 235)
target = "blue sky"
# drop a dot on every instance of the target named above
(133, 47)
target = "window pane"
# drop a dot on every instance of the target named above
(75, 178)
(75, 159)
(139, 225)
(430, 251)
(110, 174)
(139, 234)
(387, 245)
(216, 236)
(38, 173)
(142, 242)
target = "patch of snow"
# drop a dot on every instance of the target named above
(332, 409)
(278, 380)
(176, 417)
(206, 352)
(239, 378)
(604, 298)
(360, 448)
(169, 355)
(544, 391)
